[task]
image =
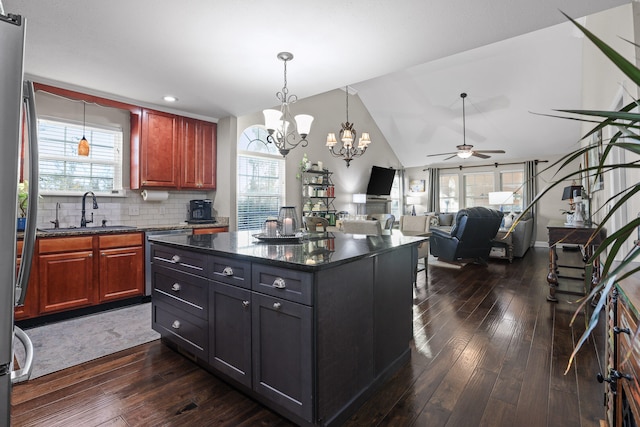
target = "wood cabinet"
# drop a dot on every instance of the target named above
(622, 397)
(173, 152)
(210, 230)
(30, 307)
(80, 271)
(121, 266)
(159, 159)
(66, 271)
(198, 150)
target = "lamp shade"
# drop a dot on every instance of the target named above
(569, 192)
(359, 198)
(413, 200)
(501, 198)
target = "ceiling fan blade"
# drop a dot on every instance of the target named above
(489, 151)
(451, 157)
(479, 155)
(442, 154)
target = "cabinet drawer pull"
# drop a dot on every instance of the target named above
(228, 271)
(103, 254)
(176, 287)
(277, 305)
(175, 324)
(90, 255)
(245, 303)
(279, 283)
(175, 259)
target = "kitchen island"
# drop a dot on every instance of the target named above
(310, 329)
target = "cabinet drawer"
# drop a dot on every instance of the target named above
(231, 271)
(283, 283)
(120, 240)
(189, 332)
(65, 244)
(632, 365)
(184, 291)
(190, 262)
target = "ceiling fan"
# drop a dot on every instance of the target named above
(466, 150)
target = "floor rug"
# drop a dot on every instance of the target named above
(433, 261)
(68, 343)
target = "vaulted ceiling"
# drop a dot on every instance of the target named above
(409, 61)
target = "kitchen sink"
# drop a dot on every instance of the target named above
(95, 229)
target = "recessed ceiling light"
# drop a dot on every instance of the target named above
(170, 98)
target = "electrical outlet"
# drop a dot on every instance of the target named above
(134, 210)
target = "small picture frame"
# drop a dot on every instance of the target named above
(417, 185)
(592, 161)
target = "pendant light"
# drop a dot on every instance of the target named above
(83, 145)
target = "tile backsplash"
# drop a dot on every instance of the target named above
(130, 210)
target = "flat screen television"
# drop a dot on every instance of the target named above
(380, 181)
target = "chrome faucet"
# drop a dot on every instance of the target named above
(56, 223)
(83, 220)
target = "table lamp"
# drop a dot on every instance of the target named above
(358, 199)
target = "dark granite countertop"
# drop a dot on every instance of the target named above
(313, 252)
(78, 231)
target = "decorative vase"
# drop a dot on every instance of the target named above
(22, 222)
(287, 221)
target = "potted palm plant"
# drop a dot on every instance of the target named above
(23, 197)
(625, 124)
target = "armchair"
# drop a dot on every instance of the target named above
(470, 237)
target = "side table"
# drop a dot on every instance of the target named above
(503, 240)
(573, 235)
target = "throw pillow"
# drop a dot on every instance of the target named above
(508, 221)
(434, 221)
(445, 219)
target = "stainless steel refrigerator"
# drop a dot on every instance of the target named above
(16, 104)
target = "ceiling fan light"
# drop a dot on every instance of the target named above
(465, 154)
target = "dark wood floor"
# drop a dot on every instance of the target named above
(488, 350)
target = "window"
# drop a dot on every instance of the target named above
(477, 187)
(62, 171)
(512, 181)
(449, 201)
(261, 172)
(395, 197)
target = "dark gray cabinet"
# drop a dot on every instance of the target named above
(282, 338)
(230, 331)
(310, 344)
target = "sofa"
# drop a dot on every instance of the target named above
(522, 235)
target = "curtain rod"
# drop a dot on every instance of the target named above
(496, 164)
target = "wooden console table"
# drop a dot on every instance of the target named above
(573, 235)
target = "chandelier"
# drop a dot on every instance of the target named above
(347, 135)
(282, 127)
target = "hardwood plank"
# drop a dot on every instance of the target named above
(488, 350)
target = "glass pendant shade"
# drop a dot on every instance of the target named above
(83, 144)
(272, 119)
(465, 154)
(303, 123)
(83, 147)
(331, 139)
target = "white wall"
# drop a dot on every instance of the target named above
(603, 86)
